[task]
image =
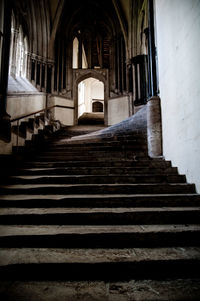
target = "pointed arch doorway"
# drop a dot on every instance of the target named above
(80, 75)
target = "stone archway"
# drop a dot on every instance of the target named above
(82, 74)
(97, 106)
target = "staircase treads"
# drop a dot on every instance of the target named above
(113, 163)
(99, 216)
(93, 179)
(140, 290)
(140, 263)
(103, 158)
(119, 236)
(99, 200)
(116, 147)
(98, 209)
(97, 188)
(88, 170)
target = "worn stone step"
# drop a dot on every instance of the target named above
(96, 139)
(91, 157)
(88, 153)
(91, 264)
(113, 147)
(97, 188)
(93, 179)
(129, 145)
(99, 201)
(116, 151)
(92, 171)
(99, 216)
(187, 289)
(114, 163)
(99, 236)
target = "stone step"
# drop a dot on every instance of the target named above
(114, 163)
(77, 152)
(103, 158)
(92, 171)
(99, 201)
(93, 179)
(99, 216)
(68, 148)
(91, 264)
(96, 145)
(97, 188)
(66, 144)
(187, 289)
(121, 236)
(96, 139)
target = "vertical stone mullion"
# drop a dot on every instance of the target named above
(35, 75)
(28, 69)
(122, 64)
(45, 77)
(119, 65)
(116, 65)
(40, 76)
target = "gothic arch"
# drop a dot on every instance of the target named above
(81, 74)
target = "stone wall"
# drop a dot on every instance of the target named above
(178, 43)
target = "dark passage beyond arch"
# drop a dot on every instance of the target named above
(97, 106)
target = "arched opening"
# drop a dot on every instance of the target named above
(90, 98)
(78, 50)
(97, 106)
(18, 51)
(75, 54)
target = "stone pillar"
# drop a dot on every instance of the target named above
(154, 129)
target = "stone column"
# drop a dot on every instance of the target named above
(154, 129)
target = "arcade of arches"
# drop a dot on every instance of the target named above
(49, 49)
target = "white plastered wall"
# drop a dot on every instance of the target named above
(178, 43)
(118, 109)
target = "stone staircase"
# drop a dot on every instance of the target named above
(97, 219)
(33, 131)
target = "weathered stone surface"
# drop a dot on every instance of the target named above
(151, 290)
(154, 131)
(81, 210)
